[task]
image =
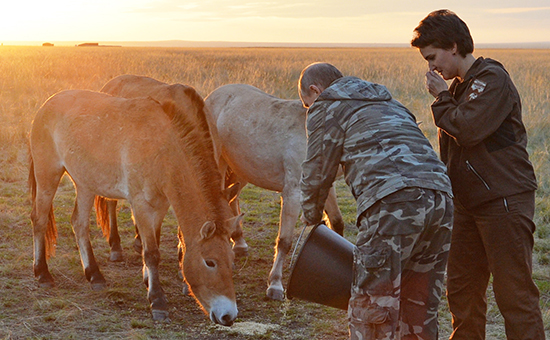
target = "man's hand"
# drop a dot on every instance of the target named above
(303, 219)
(435, 83)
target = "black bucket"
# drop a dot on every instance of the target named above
(323, 270)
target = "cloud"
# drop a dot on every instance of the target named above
(234, 9)
(515, 10)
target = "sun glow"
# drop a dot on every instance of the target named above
(321, 21)
(59, 19)
(29, 19)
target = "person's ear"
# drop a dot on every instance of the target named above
(315, 89)
(454, 49)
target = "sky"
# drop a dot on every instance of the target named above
(277, 21)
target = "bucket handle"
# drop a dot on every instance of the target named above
(299, 239)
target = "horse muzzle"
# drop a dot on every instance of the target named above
(223, 311)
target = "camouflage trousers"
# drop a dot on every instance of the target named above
(399, 266)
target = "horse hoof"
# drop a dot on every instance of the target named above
(240, 251)
(116, 256)
(98, 286)
(275, 294)
(45, 279)
(97, 280)
(46, 284)
(160, 315)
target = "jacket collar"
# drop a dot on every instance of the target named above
(473, 69)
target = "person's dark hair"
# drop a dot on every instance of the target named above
(442, 29)
(319, 74)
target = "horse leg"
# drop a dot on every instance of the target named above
(240, 247)
(114, 237)
(40, 265)
(80, 221)
(290, 209)
(334, 213)
(149, 220)
(41, 215)
(137, 239)
(138, 246)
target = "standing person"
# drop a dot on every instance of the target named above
(483, 143)
(403, 195)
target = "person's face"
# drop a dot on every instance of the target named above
(311, 96)
(444, 62)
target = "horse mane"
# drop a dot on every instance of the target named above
(194, 132)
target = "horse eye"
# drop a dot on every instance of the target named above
(210, 263)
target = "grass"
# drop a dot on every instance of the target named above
(29, 75)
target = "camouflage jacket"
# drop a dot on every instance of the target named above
(357, 124)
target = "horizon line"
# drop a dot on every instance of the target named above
(190, 43)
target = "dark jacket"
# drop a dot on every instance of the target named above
(482, 137)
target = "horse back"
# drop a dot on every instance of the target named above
(186, 101)
(187, 117)
(262, 137)
(134, 86)
(246, 100)
(101, 140)
(82, 114)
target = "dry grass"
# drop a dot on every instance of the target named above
(29, 75)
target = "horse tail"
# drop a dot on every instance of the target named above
(51, 229)
(102, 216)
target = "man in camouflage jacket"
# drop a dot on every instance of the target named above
(404, 205)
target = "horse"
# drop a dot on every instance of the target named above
(134, 86)
(261, 139)
(144, 152)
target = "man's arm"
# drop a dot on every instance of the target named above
(324, 150)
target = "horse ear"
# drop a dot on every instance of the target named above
(207, 230)
(234, 221)
(231, 192)
(169, 107)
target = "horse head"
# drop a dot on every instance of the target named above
(208, 269)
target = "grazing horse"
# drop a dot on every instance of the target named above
(133, 86)
(144, 152)
(261, 139)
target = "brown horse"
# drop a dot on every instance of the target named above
(261, 139)
(144, 152)
(133, 86)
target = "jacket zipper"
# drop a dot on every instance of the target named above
(506, 204)
(471, 168)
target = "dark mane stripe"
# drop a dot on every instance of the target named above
(195, 134)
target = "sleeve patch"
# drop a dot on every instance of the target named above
(477, 87)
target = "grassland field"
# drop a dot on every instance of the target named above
(29, 75)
